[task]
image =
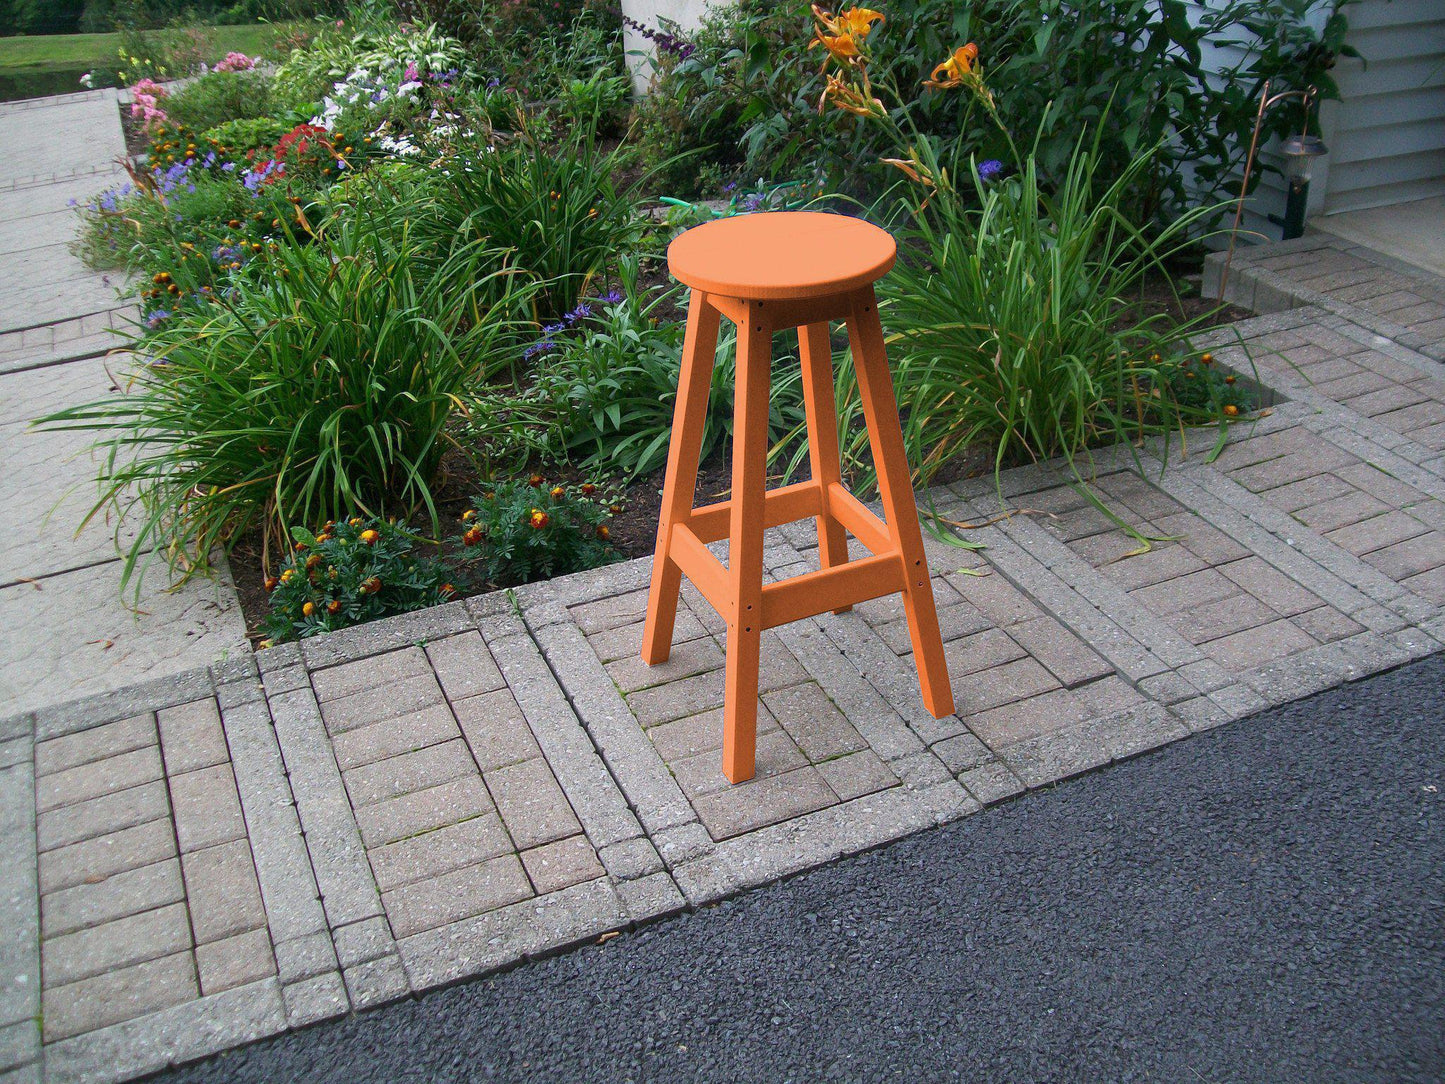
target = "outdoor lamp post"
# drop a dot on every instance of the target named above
(1299, 152)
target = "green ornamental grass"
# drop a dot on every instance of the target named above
(322, 381)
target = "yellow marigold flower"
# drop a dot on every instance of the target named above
(955, 71)
(368, 537)
(558, 493)
(287, 574)
(1231, 410)
(308, 609)
(538, 519)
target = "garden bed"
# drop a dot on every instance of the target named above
(414, 266)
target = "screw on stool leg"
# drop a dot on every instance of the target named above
(745, 545)
(885, 434)
(816, 356)
(694, 380)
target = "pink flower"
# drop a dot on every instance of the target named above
(236, 62)
(411, 75)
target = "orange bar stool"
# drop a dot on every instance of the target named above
(765, 272)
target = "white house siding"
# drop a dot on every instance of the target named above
(1387, 133)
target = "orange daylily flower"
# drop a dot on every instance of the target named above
(842, 34)
(848, 97)
(954, 71)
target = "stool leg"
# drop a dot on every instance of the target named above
(745, 546)
(880, 409)
(698, 353)
(816, 355)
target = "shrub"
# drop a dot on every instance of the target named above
(219, 97)
(525, 530)
(352, 571)
(1018, 325)
(746, 96)
(240, 136)
(605, 386)
(557, 208)
(322, 380)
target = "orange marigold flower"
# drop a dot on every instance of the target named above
(448, 589)
(313, 561)
(473, 536)
(270, 584)
(370, 586)
(469, 515)
(615, 509)
(286, 575)
(536, 480)
(1231, 410)
(368, 537)
(308, 609)
(1206, 359)
(334, 606)
(955, 71)
(558, 493)
(538, 519)
(588, 489)
(603, 532)
(1230, 379)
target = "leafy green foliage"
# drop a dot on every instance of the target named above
(219, 97)
(557, 208)
(1018, 325)
(524, 530)
(353, 571)
(248, 134)
(745, 99)
(605, 385)
(322, 380)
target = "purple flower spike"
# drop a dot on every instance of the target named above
(989, 170)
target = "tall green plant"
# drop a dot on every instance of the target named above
(558, 209)
(322, 381)
(1019, 325)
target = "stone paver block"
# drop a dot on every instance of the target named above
(561, 864)
(622, 641)
(457, 895)
(191, 736)
(440, 851)
(235, 961)
(376, 982)
(392, 737)
(98, 777)
(1246, 649)
(496, 730)
(316, 999)
(423, 811)
(1271, 586)
(95, 743)
(98, 858)
(687, 658)
(116, 944)
(531, 803)
(118, 995)
(1066, 656)
(1000, 685)
(358, 942)
(701, 733)
(814, 722)
(856, 774)
(94, 903)
(464, 666)
(408, 772)
(391, 668)
(774, 754)
(991, 782)
(221, 887)
(305, 957)
(376, 704)
(630, 859)
(763, 801)
(207, 807)
(650, 897)
(108, 813)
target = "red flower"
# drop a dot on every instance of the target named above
(538, 519)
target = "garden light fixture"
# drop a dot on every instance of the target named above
(1299, 152)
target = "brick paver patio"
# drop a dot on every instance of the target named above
(232, 851)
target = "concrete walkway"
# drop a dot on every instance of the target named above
(56, 327)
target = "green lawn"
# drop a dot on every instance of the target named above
(92, 50)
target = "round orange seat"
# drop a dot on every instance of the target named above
(782, 255)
